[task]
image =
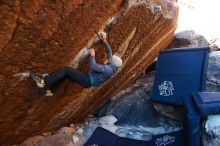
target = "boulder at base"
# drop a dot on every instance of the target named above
(211, 132)
(44, 35)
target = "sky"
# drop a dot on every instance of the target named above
(203, 16)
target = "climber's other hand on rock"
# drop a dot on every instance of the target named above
(103, 36)
(92, 52)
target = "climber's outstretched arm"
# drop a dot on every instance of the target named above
(108, 52)
(107, 47)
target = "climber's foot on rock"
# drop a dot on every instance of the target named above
(37, 80)
(41, 87)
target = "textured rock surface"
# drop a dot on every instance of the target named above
(211, 133)
(32, 141)
(213, 74)
(57, 140)
(215, 44)
(65, 130)
(188, 38)
(44, 35)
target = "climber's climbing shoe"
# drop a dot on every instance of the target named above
(41, 87)
(38, 80)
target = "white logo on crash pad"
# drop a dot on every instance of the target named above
(166, 88)
(163, 141)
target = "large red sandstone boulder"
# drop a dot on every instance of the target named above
(45, 35)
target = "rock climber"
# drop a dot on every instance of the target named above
(98, 73)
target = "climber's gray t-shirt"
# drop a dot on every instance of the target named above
(101, 72)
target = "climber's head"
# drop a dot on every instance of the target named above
(116, 61)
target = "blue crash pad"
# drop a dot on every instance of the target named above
(207, 103)
(191, 124)
(102, 137)
(179, 73)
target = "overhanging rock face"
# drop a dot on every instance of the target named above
(45, 35)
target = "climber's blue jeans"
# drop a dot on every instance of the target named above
(55, 79)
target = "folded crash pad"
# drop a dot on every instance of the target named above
(191, 124)
(179, 73)
(207, 103)
(102, 137)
